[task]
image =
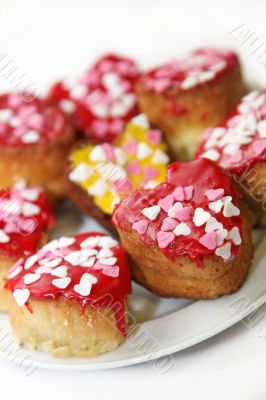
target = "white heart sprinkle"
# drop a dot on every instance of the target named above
(85, 284)
(4, 238)
(67, 106)
(211, 155)
(60, 272)
(61, 283)
(176, 207)
(108, 261)
(21, 296)
(200, 216)
(151, 212)
(212, 225)
(30, 194)
(81, 173)
(216, 206)
(53, 263)
(30, 137)
(89, 263)
(234, 234)
(224, 251)
(99, 188)
(141, 120)
(5, 114)
(90, 242)
(261, 127)
(30, 209)
(143, 151)
(159, 157)
(221, 235)
(107, 242)
(230, 210)
(97, 154)
(43, 270)
(31, 278)
(105, 253)
(182, 229)
(66, 241)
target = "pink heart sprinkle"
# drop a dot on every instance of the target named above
(117, 125)
(166, 203)
(236, 157)
(259, 146)
(209, 240)
(133, 168)
(214, 194)
(111, 271)
(164, 238)
(130, 146)
(99, 266)
(121, 186)
(150, 173)
(183, 214)
(189, 190)
(109, 151)
(161, 84)
(141, 226)
(168, 224)
(179, 194)
(155, 136)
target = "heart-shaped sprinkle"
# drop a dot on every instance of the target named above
(97, 154)
(53, 263)
(236, 157)
(261, 127)
(234, 235)
(61, 283)
(168, 224)
(30, 209)
(21, 296)
(4, 238)
(173, 210)
(31, 278)
(105, 253)
(230, 210)
(214, 194)
(15, 273)
(164, 238)
(212, 225)
(85, 284)
(155, 136)
(259, 146)
(166, 203)
(179, 194)
(130, 146)
(211, 155)
(60, 272)
(209, 240)
(150, 173)
(113, 272)
(141, 226)
(89, 263)
(221, 235)
(108, 261)
(182, 230)
(224, 251)
(143, 151)
(107, 242)
(90, 242)
(151, 212)
(189, 191)
(200, 216)
(216, 206)
(183, 214)
(159, 157)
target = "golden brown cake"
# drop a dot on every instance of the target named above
(70, 298)
(190, 236)
(185, 96)
(239, 146)
(34, 140)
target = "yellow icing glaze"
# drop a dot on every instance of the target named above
(107, 200)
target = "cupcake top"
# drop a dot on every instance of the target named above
(194, 214)
(240, 141)
(107, 171)
(90, 268)
(102, 100)
(23, 123)
(195, 68)
(25, 217)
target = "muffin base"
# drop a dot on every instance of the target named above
(62, 328)
(182, 277)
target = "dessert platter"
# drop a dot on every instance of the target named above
(132, 212)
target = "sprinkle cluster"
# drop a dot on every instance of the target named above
(241, 140)
(65, 266)
(180, 217)
(103, 99)
(136, 159)
(195, 68)
(24, 123)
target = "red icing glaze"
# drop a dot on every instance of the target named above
(240, 141)
(103, 100)
(196, 68)
(202, 175)
(113, 281)
(23, 221)
(23, 123)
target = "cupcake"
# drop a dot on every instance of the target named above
(186, 95)
(34, 140)
(70, 298)
(190, 236)
(102, 100)
(25, 223)
(100, 175)
(239, 146)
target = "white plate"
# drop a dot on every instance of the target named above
(163, 326)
